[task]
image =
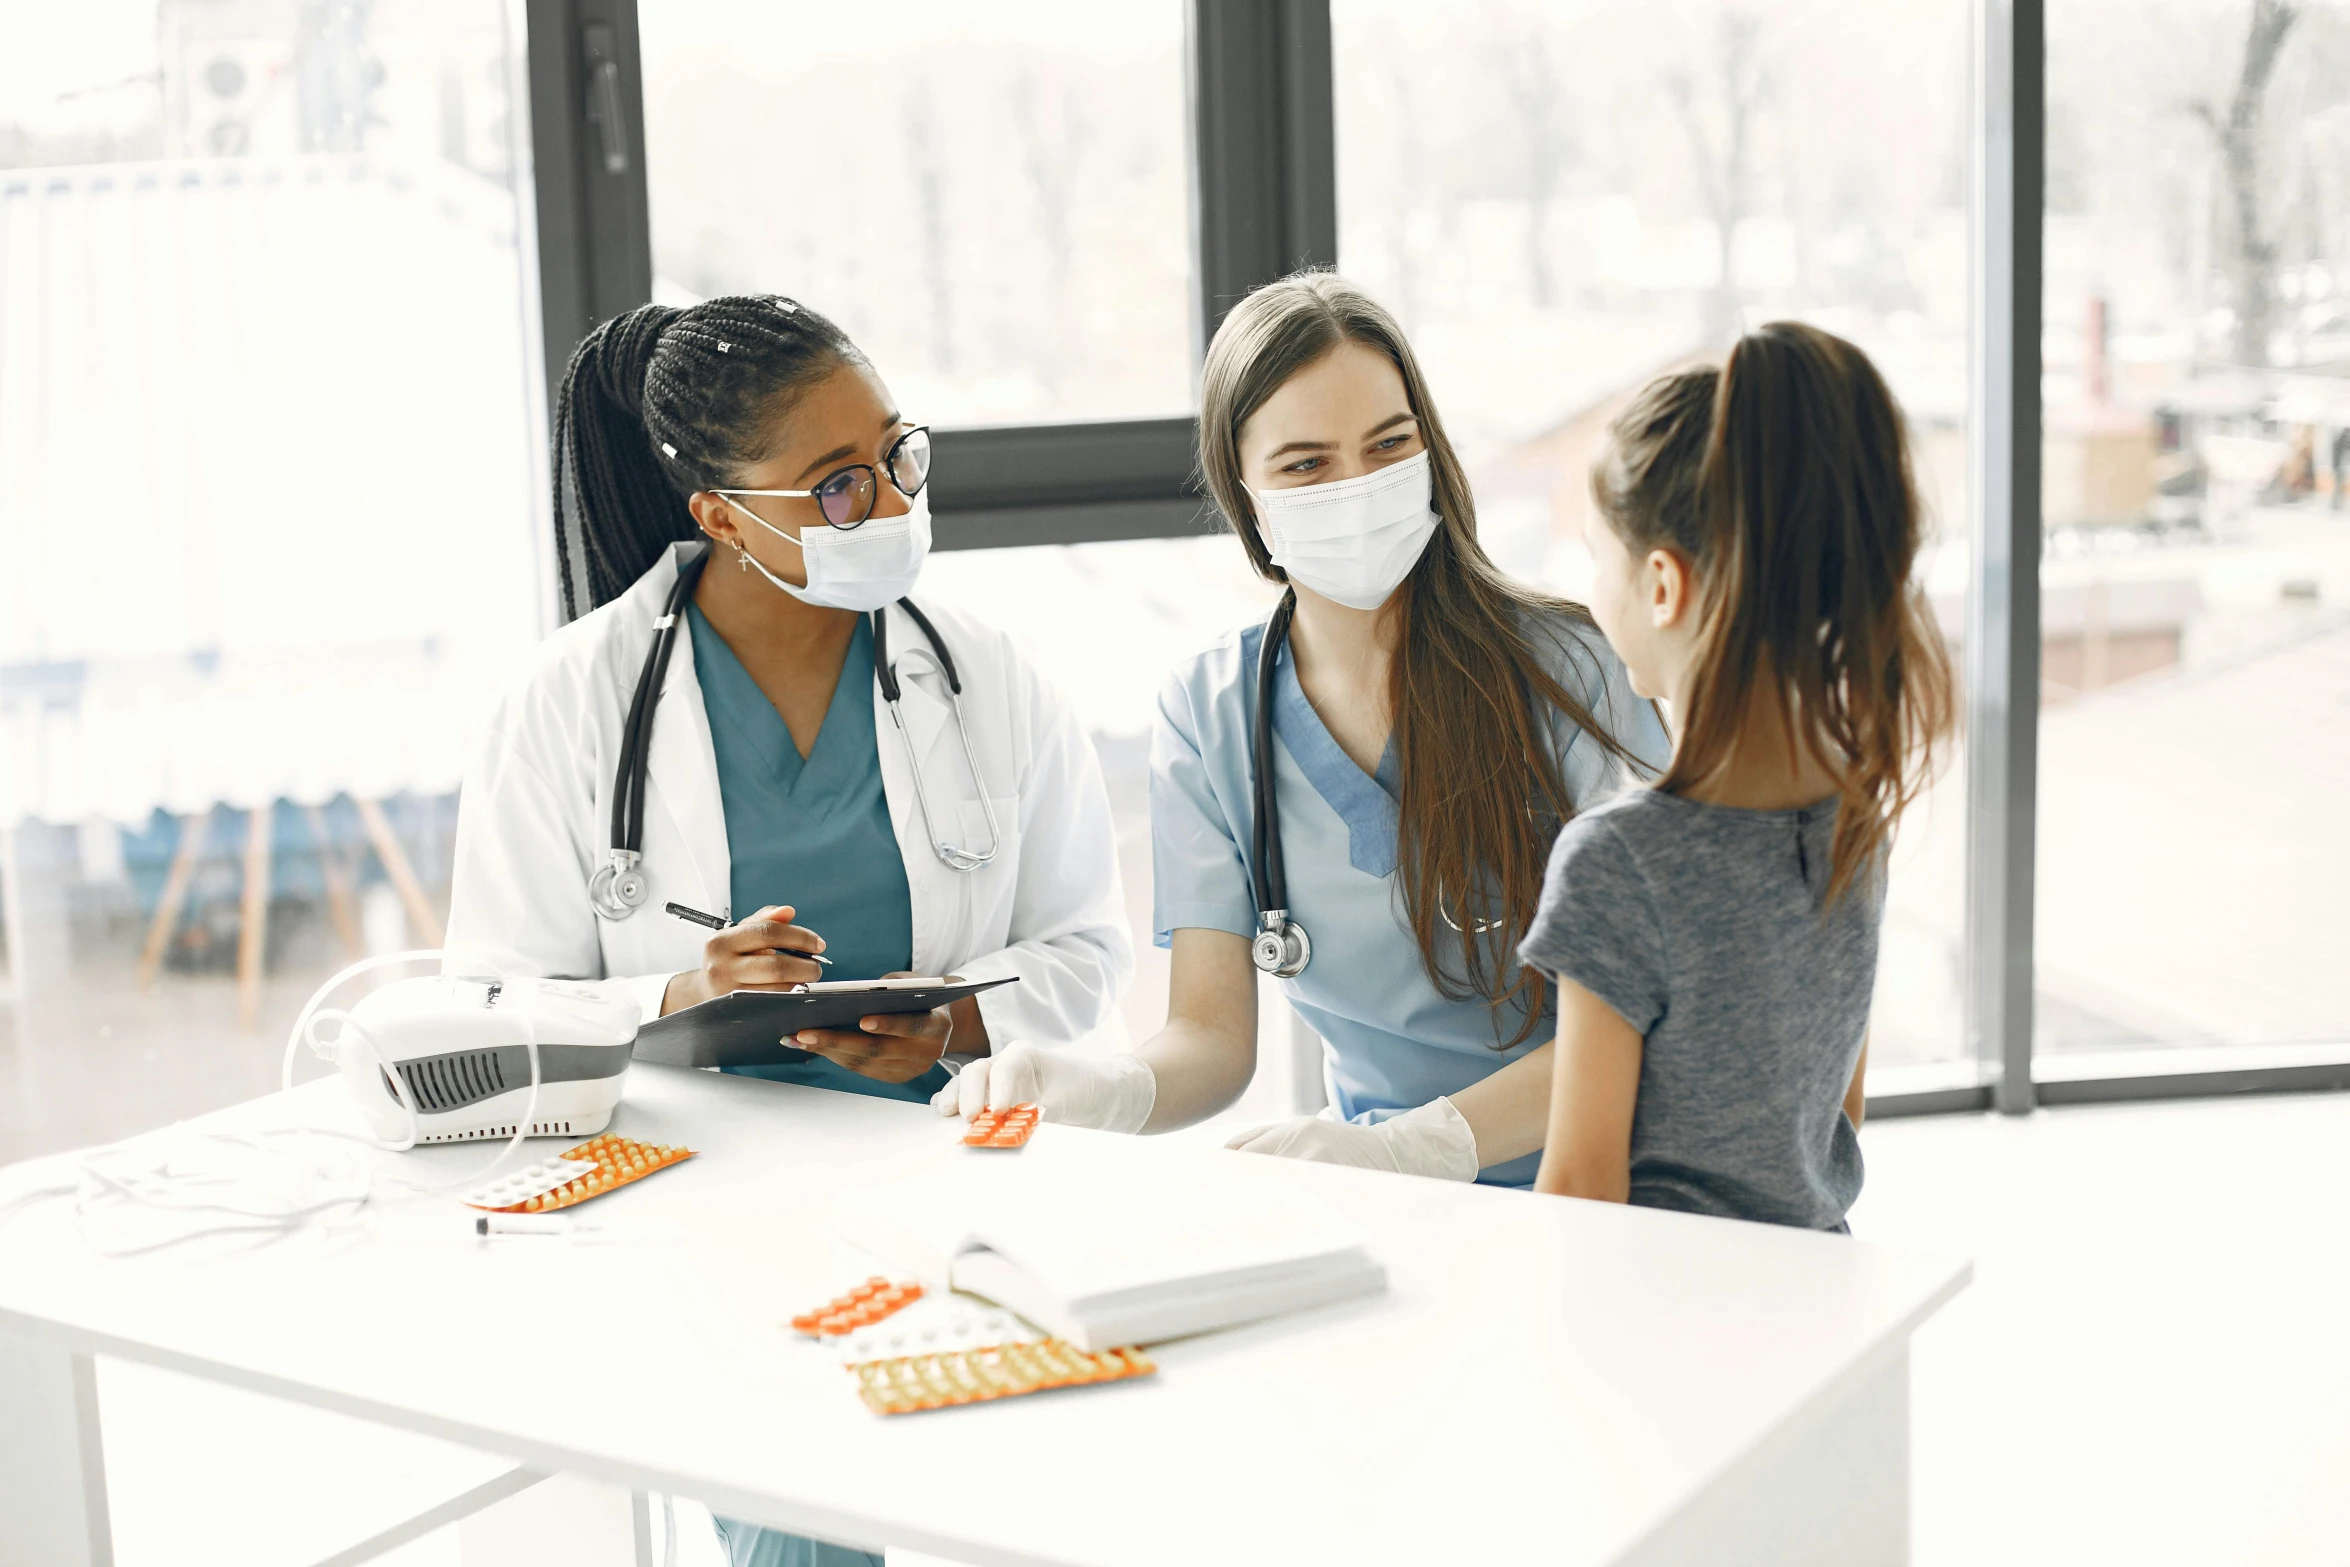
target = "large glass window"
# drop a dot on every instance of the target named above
(2195, 726)
(990, 199)
(270, 424)
(268, 516)
(1563, 200)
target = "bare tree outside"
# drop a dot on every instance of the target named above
(1410, 171)
(1539, 103)
(1000, 218)
(926, 162)
(1052, 139)
(1718, 115)
(2237, 130)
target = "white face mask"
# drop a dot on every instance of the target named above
(863, 568)
(1355, 540)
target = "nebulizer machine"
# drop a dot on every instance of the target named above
(445, 1059)
(434, 1059)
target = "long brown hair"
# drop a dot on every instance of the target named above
(1784, 478)
(1481, 792)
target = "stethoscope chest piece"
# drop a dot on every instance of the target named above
(1281, 948)
(619, 887)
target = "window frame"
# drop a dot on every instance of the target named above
(1258, 76)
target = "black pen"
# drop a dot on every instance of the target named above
(718, 922)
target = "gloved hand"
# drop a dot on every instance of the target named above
(1107, 1093)
(1432, 1140)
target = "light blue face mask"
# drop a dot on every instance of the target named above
(863, 568)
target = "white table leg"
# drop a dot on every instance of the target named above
(564, 1521)
(1828, 1489)
(52, 1465)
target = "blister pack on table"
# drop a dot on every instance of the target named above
(599, 1165)
(1008, 1128)
(861, 1307)
(910, 1383)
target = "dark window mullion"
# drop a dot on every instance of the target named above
(1066, 484)
(2003, 632)
(587, 143)
(1264, 173)
(1264, 195)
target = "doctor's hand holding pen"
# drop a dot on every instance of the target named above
(768, 952)
(765, 952)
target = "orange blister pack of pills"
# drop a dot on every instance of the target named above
(861, 1307)
(616, 1160)
(1002, 1128)
(974, 1376)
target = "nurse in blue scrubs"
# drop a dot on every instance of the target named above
(1433, 724)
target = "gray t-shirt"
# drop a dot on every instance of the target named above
(1704, 927)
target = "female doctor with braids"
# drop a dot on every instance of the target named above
(742, 487)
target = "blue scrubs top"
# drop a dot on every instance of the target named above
(1390, 1041)
(814, 832)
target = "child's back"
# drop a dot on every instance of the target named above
(1714, 938)
(1703, 926)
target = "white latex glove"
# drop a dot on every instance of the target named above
(1432, 1140)
(1107, 1093)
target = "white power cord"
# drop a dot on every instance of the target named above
(349, 1034)
(246, 1181)
(274, 1180)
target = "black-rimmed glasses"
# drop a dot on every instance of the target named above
(846, 495)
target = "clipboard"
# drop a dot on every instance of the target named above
(747, 1027)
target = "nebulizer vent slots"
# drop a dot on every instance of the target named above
(426, 1060)
(452, 1081)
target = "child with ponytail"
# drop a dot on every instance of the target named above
(1714, 937)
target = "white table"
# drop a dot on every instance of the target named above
(1546, 1380)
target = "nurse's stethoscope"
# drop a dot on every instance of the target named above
(1282, 948)
(619, 886)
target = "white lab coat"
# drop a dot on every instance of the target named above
(534, 822)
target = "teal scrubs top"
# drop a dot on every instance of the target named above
(814, 832)
(1390, 1040)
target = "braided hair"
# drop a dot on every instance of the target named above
(661, 402)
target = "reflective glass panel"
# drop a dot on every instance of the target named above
(269, 403)
(1563, 200)
(990, 199)
(2195, 719)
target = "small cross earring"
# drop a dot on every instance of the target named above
(742, 558)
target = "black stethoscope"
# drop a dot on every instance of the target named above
(1282, 948)
(619, 886)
